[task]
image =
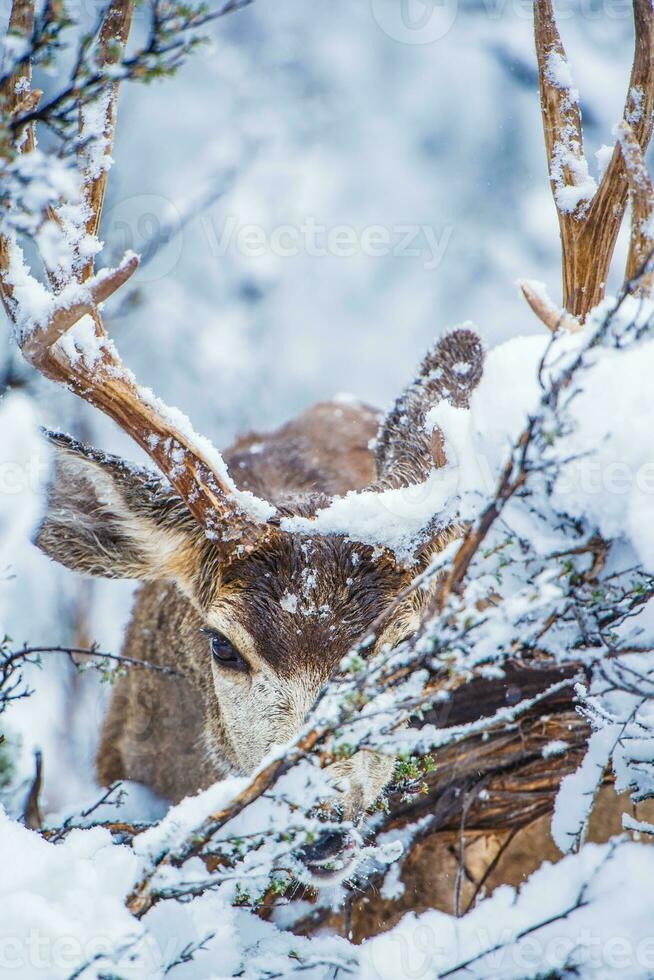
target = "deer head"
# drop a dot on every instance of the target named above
(272, 601)
(267, 622)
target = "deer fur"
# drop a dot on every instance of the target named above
(293, 606)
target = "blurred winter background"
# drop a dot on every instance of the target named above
(322, 190)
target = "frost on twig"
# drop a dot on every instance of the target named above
(641, 248)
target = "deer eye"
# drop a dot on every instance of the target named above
(225, 653)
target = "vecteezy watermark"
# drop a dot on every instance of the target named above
(427, 21)
(150, 225)
(317, 240)
(415, 21)
(591, 478)
(49, 954)
(27, 476)
(424, 951)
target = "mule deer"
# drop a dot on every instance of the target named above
(255, 614)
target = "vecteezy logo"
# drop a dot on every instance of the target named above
(150, 225)
(415, 21)
(410, 953)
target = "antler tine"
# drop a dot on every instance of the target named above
(86, 361)
(114, 32)
(548, 312)
(36, 343)
(571, 185)
(610, 201)
(14, 94)
(641, 246)
(589, 218)
(564, 140)
(21, 21)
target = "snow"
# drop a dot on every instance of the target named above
(34, 301)
(613, 484)
(567, 154)
(578, 790)
(82, 343)
(556, 747)
(634, 112)
(289, 603)
(35, 181)
(393, 518)
(184, 818)
(603, 157)
(36, 305)
(260, 510)
(564, 913)
(476, 443)
(61, 903)
(23, 470)
(64, 908)
(95, 144)
(565, 918)
(392, 887)
(557, 72)
(429, 737)
(457, 428)
(638, 826)
(242, 342)
(569, 196)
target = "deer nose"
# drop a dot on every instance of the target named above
(331, 854)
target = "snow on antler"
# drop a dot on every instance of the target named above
(589, 215)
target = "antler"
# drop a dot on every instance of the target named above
(114, 32)
(641, 246)
(61, 332)
(589, 215)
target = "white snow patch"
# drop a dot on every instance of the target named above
(556, 747)
(289, 603)
(578, 790)
(62, 903)
(603, 158)
(557, 72)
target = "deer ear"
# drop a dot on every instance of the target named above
(109, 518)
(406, 452)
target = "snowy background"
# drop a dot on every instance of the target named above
(328, 186)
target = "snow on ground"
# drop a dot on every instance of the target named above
(61, 904)
(63, 908)
(566, 920)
